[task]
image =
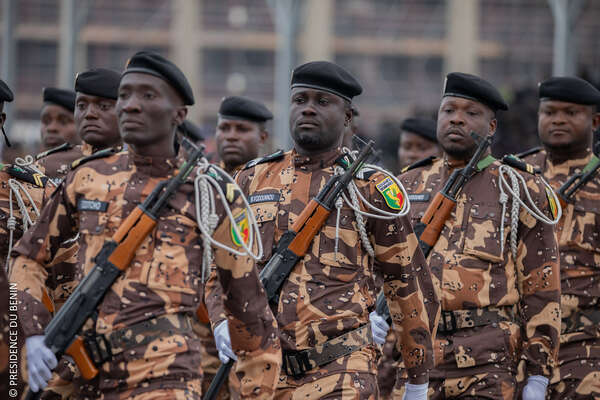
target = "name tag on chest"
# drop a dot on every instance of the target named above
(92, 205)
(419, 197)
(262, 198)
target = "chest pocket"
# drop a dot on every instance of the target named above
(176, 264)
(95, 216)
(349, 244)
(482, 236)
(583, 230)
(266, 217)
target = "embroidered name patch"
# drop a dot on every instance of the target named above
(391, 193)
(263, 198)
(419, 197)
(92, 205)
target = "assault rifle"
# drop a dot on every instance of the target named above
(61, 334)
(294, 244)
(570, 187)
(429, 228)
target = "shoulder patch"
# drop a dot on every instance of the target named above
(260, 160)
(57, 149)
(516, 162)
(529, 152)
(391, 193)
(241, 220)
(26, 174)
(96, 155)
(421, 163)
(552, 203)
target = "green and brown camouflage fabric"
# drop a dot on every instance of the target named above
(163, 279)
(470, 271)
(578, 236)
(328, 294)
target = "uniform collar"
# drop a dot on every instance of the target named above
(318, 161)
(568, 166)
(154, 166)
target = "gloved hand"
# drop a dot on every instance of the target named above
(535, 388)
(379, 327)
(223, 342)
(415, 392)
(40, 362)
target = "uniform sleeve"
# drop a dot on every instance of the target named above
(213, 298)
(408, 288)
(539, 284)
(34, 252)
(252, 326)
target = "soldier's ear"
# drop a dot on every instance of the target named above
(596, 121)
(492, 126)
(180, 115)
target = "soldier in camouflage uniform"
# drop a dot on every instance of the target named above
(500, 307)
(324, 304)
(240, 136)
(567, 119)
(146, 316)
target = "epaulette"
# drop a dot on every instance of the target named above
(231, 194)
(516, 162)
(26, 174)
(421, 163)
(96, 155)
(529, 152)
(260, 160)
(62, 147)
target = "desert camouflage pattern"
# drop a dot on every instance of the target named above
(57, 164)
(470, 271)
(164, 279)
(328, 294)
(578, 237)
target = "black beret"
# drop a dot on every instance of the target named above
(61, 97)
(5, 93)
(191, 130)
(569, 89)
(472, 87)
(423, 127)
(148, 62)
(99, 82)
(237, 107)
(327, 76)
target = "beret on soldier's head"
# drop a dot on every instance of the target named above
(570, 89)
(472, 87)
(423, 127)
(148, 62)
(237, 107)
(5, 93)
(101, 82)
(191, 130)
(61, 97)
(327, 76)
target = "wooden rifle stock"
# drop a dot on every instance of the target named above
(435, 217)
(202, 313)
(309, 229)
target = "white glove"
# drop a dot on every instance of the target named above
(223, 342)
(415, 392)
(40, 362)
(379, 328)
(535, 388)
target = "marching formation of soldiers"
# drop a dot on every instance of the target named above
(141, 271)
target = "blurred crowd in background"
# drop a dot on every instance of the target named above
(400, 50)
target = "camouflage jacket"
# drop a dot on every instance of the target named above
(164, 278)
(469, 269)
(56, 162)
(327, 295)
(578, 237)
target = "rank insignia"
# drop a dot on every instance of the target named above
(241, 220)
(391, 193)
(552, 203)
